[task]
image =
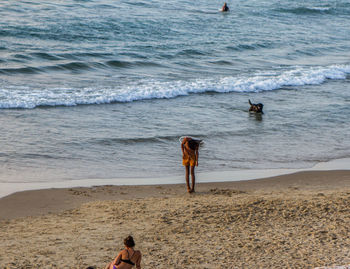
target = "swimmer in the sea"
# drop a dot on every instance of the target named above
(225, 8)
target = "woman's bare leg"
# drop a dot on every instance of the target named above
(188, 178)
(193, 178)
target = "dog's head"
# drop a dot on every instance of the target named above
(256, 107)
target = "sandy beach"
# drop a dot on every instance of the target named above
(97, 98)
(299, 220)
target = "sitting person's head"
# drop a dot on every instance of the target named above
(129, 242)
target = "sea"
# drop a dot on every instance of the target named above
(101, 89)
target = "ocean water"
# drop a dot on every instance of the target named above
(105, 89)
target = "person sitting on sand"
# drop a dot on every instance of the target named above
(128, 257)
(189, 147)
(225, 8)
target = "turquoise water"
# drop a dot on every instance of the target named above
(99, 89)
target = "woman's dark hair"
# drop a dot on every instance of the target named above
(129, 242)
(194, 144)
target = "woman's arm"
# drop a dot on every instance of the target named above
(117, 259)
(197, 156)
(138, 262)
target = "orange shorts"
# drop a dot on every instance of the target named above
(189, 162)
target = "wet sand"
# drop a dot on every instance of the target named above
(299, 220)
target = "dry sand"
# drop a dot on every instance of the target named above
(300, 220)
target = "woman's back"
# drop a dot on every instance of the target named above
(129, 258)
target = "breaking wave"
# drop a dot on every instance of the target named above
(26, 97)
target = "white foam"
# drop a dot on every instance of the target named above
(321, 8)
(15, 97)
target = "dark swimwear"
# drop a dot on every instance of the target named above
(128, 260)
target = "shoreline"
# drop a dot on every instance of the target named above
(205, 177)
(54, 200)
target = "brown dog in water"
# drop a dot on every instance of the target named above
(257, 108)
